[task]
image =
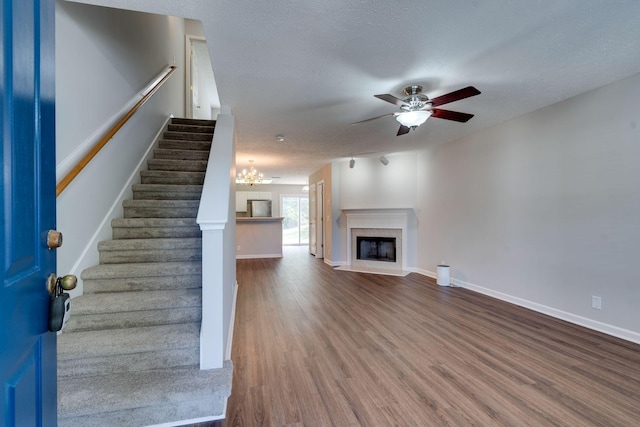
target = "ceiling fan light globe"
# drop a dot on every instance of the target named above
(413, 118)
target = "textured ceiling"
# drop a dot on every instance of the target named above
(307, 69)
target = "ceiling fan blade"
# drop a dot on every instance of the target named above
(454, 96)
(403, 129)
(456, 116)
(373, 118)
(392, 99)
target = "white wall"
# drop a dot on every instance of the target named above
(194, 28)
(104, 57)
(543, 210)
(371, 185)
(277, 190)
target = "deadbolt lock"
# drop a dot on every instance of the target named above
(54, 239)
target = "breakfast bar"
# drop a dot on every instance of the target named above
(258, 237)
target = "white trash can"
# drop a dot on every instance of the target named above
(444, 273)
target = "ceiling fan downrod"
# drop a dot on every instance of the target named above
(412, 90)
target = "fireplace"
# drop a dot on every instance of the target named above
(382, 235)
(376, 248)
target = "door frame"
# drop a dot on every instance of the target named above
(188, 52)
(320, 219)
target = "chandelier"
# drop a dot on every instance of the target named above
(250, 177)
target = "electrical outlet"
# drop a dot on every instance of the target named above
(238, 248)
(596, 302)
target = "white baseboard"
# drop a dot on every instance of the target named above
(194, 420)
(425, 273)
(257, 256)
(605, 328)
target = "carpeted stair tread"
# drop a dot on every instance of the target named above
(109, 394)
(76, 346)
(133, 319)
(162, 269)
(155, 232)
(112, 351)
(160, 203)
(150, 256)
(159, 358)
(124, 251)
(187, 136)
(119, 302)
(196, 122)
(151, 415)
(196, 128)
(153, 222)
(184, 145)
(166, 192)
(146, 228)
(171, 177)
(185, 188)
(180, 154)
(146, 244)
(177, 165)
(135, 284)
(134, 208)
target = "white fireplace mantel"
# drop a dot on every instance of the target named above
(378, 218)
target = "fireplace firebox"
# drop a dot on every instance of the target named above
(376, 248)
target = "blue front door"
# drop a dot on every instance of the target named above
(27, 86)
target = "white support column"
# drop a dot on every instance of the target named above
(212, 335)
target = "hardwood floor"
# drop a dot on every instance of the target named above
(319, 347)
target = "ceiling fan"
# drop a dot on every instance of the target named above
(416, 107)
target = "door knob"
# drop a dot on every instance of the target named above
(60, 301)
(55, 285)
(54, 239)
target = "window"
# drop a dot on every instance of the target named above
(295, 226)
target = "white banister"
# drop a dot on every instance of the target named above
(216, 217)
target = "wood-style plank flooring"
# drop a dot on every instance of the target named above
(318, 347)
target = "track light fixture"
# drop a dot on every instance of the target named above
(384, 160)
(352, 163)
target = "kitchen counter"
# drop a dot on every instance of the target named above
(259, 237)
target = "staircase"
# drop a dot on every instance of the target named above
(129, 356)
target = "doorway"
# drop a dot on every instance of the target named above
(319, 219)
(295, 225)
(202, 95)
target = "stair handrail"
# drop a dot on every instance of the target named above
(146, 94)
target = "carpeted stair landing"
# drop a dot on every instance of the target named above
(130, 353)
